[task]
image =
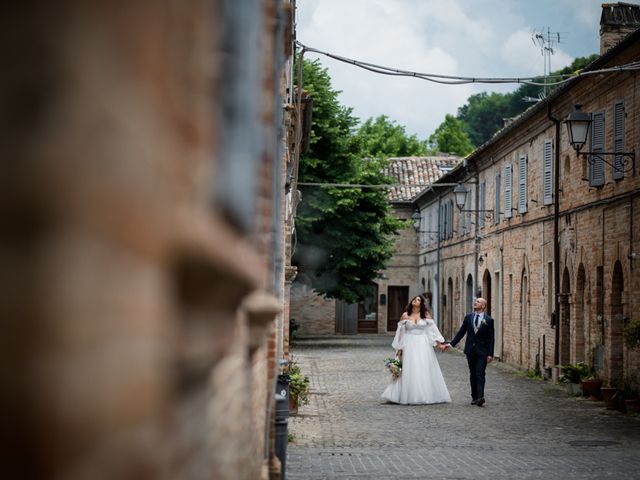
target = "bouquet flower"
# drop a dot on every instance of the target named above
(395, 366)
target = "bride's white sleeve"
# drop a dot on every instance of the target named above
(398, 340)
(434, 334)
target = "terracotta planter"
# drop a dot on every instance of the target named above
(591, 388)
(607, 396)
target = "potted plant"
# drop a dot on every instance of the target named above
(632, 334)
(571, 377)
(591, 387)
(608, 392)
(299, 386)
(629, 394)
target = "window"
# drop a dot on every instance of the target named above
(482, 206)
(496, 213)
(617, 171)
(508, 198)
(522, 184)
(547, 174)
(596, 163)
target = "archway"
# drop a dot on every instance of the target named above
(525, 329)
(449, 321)
(470, 294)
(578, 318)
(565, 319)
(614, 336)
(486, 290)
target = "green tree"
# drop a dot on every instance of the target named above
(345, 236)
(484, 113)
(382, 137)
(449, 137)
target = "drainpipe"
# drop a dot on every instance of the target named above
(476, 237)
(556, 242)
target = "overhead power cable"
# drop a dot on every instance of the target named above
(458, 80)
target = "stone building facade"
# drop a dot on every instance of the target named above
(548, 237)
(143, 244)
(398, 282)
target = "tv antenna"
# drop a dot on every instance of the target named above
(546, 42)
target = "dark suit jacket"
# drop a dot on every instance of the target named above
(481, 341)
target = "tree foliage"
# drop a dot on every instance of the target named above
(484, 113)
(382, 137)
(345, 236)
(450, 137)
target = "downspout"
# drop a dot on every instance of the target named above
(476, 237)
(555, 316)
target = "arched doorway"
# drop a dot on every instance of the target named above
(525, 330)
(565, 319)
(614, 336)
(578, 318)
(469, 306)
(486, 290)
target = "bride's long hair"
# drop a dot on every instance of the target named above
(424, 310)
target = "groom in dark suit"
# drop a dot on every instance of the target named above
(478, 347)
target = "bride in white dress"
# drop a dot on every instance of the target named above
(421, 380)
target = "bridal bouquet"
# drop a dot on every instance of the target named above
(395, 366)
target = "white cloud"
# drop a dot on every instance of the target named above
(489, 38)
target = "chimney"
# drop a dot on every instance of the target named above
(616, 22)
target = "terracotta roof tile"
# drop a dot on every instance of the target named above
(413, 174)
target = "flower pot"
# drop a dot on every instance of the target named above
(591, 388)
(574, 389)
(607, 395)
(632, 405)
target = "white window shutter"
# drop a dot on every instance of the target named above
(508, 198)
(496, 215)
(547, 181)
(522, 184)
(617, 171)
(596, 163)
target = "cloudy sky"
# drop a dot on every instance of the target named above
(479, 38)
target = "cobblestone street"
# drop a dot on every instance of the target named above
(527, 429)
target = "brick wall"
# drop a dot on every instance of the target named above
(143, 311)
(597, 230)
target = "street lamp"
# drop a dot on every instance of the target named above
(416, 220)
(578, 125)
(461, 195)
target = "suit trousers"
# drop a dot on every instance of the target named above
(477, 368)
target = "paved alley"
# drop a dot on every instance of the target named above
(527, 429)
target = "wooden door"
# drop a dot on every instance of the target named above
(398, 299)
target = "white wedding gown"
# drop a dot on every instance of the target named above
(421, 380)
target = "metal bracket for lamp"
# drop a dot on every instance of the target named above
(620, 166)
(578, 124)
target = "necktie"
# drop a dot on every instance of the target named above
(476, 321)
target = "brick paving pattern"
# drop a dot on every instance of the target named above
(528, 429)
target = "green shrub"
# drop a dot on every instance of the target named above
(632, 334)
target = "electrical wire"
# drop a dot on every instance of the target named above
(457, 80)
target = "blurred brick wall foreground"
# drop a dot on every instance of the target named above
(139, 298)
